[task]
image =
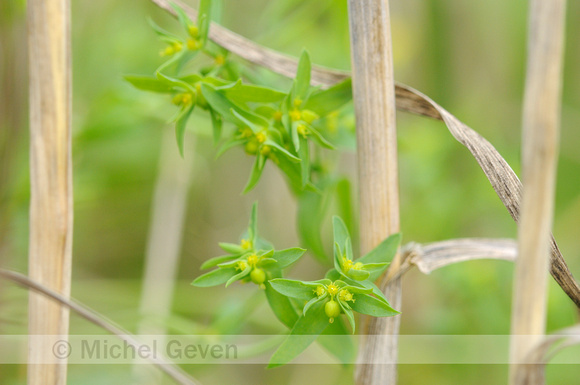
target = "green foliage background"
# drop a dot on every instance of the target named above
(468, 56)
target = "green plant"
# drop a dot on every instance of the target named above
(293, 130)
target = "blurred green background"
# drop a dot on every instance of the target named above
(467, 56)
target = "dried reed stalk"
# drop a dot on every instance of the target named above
(541, 119)
(51, 215)
(374, 103)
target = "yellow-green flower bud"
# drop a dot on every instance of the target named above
(332, 310)
(258, 276)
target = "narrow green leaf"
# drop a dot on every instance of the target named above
(295, 136)
(174, 82)
(256, 173)
(281, 149)
(311, 210)
(214, 278)
(339, 230)
(375, 270)
(191, 78)
(332, 275)
(348, 312)
(303, 76)
(292, 172)
(180, 127)
(368, 285)
(219, 102)
(293, 288)
(281, 306)
(344, 204)
(204, 19)
(287, 257)
(329, 100)
(147, 83)
(313, 301)
(358, 275)
(334, 340)
(318, 138)
(348, 249)
(245, 93)
(384, 252)
(250, 119)
(231, 248)
(216, 123)
(365, 304)
(308, 327)
(338, 258)
(182, 17)
(303, 153)
(253, 224)
(217, 260)
(358, 289)
(230, 143)
(240, 275)
(163, 34)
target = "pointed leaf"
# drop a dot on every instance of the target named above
(232, 142)
(214, 278)
(147, 83)
(244, 93)
(303, 152)
(314, 300)
(334, 340)
(346, 310)
(329, 100)
(358, 275)
(365, 304)
(182, 17)
(204, 19)
(293, 288)
(340, 230)
(281, 306)
(256, 173)
(281, 149)
(318, 138)
(303, 76)
(232, 248)
(217, 260)
(287, 257)
(308, 327)
(253, 224)
(332, 275)
(240, 275)
(384, 252)
(216, 123)
(163, 34)
(375, 270)
(180, 127)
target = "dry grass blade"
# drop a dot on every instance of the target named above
(541, 354)
(92, 316)
(502, 178)
(433, 256)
